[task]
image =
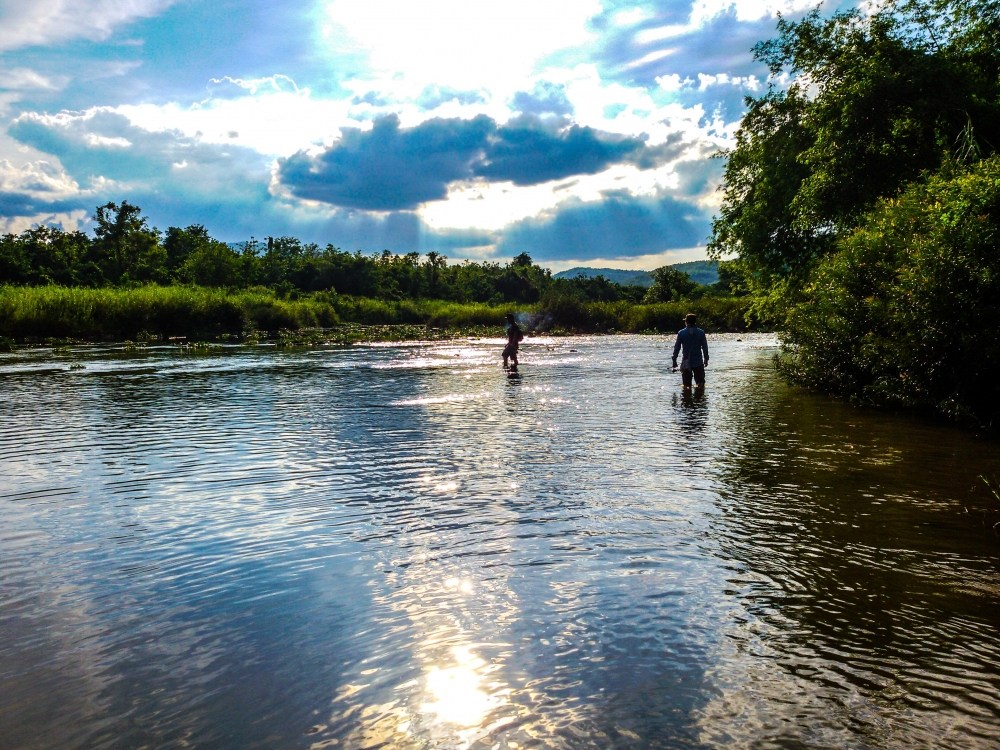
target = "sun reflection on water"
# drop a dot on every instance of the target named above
(457, 690)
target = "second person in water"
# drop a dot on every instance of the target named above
(514, 338)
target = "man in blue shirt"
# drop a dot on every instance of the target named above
(692, 340)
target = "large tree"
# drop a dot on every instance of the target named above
(125, 247)
(874, 101)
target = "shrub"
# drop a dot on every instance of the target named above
(905, 312)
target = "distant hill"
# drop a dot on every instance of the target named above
(617, 275)
(702, 271)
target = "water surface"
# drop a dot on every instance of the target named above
(399, 546)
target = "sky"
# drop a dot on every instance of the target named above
(581, 132)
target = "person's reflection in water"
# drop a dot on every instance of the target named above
(511, 393)
(693, 407)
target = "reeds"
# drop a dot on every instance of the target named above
(202, 313)
(163, 311)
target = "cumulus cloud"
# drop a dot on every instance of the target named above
(526, 154)
(435, 96)
(37, 192)
(228, 87)
(39, 179)
(388, 168)
(561, 128)
(26, 24)
(394, 168)
(176, 179)
(103, 144)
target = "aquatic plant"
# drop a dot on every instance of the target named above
(300, 337)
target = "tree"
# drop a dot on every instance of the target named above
(875, 102)
(435, 262)
(669, 285)
(212, 263)
(125, 248)
(15, 266)
(523, 281)
(179, 244)
(281, 258)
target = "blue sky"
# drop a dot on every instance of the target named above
(578, 131)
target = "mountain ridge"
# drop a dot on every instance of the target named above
(701, 271)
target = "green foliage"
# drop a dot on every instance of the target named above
(140, 312)
(43, 255)
(147, 313)
(669, 285)
(714, 314)
(125, 251)
(863, 199)
(215, 290)
(905, 312)
(193, 257)
(125, 248)
(875, 101)
(762, 177)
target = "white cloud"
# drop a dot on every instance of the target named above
(267, 84)
(673, 82)
(92, 139)
(704, 11)
(660, 33)
(275, 123)
(39, 179)
(25, 79)
(38, 22)
(457, 42)
(69, 221)
(749, 83)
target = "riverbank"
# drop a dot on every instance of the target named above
(31, 315)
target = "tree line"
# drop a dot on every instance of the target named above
(862, 201)
(125, 250)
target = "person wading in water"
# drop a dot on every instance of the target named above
(693, 342)
(514, 337)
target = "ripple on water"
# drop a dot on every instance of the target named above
(399, 546)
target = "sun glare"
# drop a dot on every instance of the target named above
(457, 692)
(455, 42)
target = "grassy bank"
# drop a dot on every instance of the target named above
(199, 313)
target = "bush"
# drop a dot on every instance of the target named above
(905, 312)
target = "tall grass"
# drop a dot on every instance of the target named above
(714, 314)
(433, 313)
(204, 313)
(53, 311)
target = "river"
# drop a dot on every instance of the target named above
(398, 546)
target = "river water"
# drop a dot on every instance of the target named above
(398, 546)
